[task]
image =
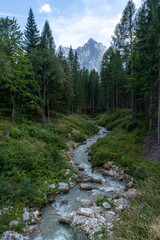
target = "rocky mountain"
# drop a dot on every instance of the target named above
(90, 55)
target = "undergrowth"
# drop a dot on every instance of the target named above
(123, 146)
(31, 159)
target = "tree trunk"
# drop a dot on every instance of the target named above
(133, 116)
(48, 111)
(13, 116)
(107, 100)
(159, 111)
(116, 98)
(150, 112)
(113, 101)
(159, 96)
(44, 100)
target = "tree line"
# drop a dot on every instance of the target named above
(130, 70)
(33, 79)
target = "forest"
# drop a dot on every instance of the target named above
(49, 104)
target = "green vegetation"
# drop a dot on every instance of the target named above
(102, 200)
(123, 146)
(31, 159)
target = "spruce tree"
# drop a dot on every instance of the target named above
(31, 33)
(47, 40)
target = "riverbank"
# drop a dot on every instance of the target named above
(94, 202)
(32, 158)
(123, 146)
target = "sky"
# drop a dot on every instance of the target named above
(72, 22)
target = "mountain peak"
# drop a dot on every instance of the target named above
(90, 55)
(91, 40)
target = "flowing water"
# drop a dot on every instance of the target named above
(50, 228)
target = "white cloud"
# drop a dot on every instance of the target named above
(45, 8)
(77, 30)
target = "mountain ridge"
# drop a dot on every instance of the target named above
(89, 55)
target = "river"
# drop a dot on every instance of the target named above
(50, 228)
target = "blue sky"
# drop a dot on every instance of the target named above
(72, 22)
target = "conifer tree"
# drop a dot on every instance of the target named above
(47, 40)
(31, 33)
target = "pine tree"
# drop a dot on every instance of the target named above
(18, 81)
(47, 40)
(31, 33)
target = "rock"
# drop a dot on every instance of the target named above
(36, 214)
(92, 180)
(67, 172)
(5, 210)
(110, 216)
(105, 173)
(87, 212)
(129, 185)
(106, 205)
(107, 166)
(121, 204)
(85, 202)
(26, 215)
(31, 229)
(10, 235)
(89, 152)
(72, 184)
(100, 236)
(65, 220)
(52, 186)
(84, 186)
(13, 223)
(64, 187)
(64, 202)
(131, 194)
(77, 164)
(81, 168)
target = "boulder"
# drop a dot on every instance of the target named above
(32, 228)
(87, 212)
(36, 214)
(53, 186)
(85, 202)
(106, 205)
(26, 215)
(107, 166)
(121, 204)
(64, 202)
(9, 235)
(13, 223)
(110, 216)
(84, 186)
(81, 168)
(65, 220)
(131, 194)
(64, 187)
(129, 185)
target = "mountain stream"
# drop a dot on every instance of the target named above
(50, 228)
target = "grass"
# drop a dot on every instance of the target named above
(123, 146)
(102, 200)
(31, 159)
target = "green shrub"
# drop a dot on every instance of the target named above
(78, 137)
(14, 132)
(27, 189)
(102, 200)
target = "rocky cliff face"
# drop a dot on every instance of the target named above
(90, 55)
